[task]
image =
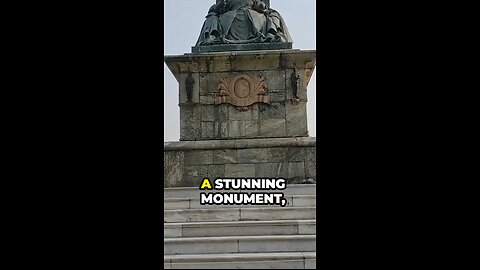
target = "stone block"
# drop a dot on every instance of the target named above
(207, 112)
(276, 154)
(215, 171)
(207, 130)
(196, 171)
(270, 170)
(236, 129)
(251, 129)
(220, 130)
(295, 169)
(272, 128)
(296, 116)
(183, 90)
(275, 79)
(190, 122)
(311, 163)
(173, 164)
(208, 99)
(234, 114)
(198, 157)
(296, 154)
(275, 110)
(251, 155)
(260, 62)
(203, 84)
(214, 79)
(277, 96)
(225, 156)
(239, 170)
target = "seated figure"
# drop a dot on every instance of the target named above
(242, 21)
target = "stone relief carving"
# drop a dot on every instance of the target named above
(242, 90)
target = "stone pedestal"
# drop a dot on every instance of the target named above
(243, 112)
(243, 118)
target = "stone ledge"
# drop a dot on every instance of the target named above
(242, 47)
(240, 144)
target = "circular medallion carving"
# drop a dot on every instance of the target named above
(242, 88)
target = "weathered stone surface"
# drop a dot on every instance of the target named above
(215, 171)
(296, 154)
(208, 112)
(252, 155)
(278, 96)
(208, 99)
(239, 170)
(272, 128)
(275, 79)
(193, 175)
(225, 156)
(296, 116)
(295, 169)
(311, 162)
(190, 122)
(270, 170)
(251, 128)
(245, 143)
(198, 157)
(251, 114)
(258, 155)
(246, 60)
(173, 168)
(207, 130)
(195, 171)
(214, 79)
(182, 88)
(220, 118)
(275, 110)
(203, 84)
(236, 129)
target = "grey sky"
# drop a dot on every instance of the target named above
(183, 22)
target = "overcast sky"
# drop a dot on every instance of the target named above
(183, 22)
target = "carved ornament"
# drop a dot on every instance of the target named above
(242, 90)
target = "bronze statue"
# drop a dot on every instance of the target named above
(242, 21)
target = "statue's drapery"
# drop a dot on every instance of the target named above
(243, 21)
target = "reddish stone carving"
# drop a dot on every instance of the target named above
(242, 90)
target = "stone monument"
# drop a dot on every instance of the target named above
(242, 98)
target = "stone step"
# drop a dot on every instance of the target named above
(239, 214)
(194, 192)
(194, 203)
(239, 244)
(239, 228)
(279, 260)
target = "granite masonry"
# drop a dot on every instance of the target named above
(241, 117)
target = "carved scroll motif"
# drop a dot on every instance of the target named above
(242, 90)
